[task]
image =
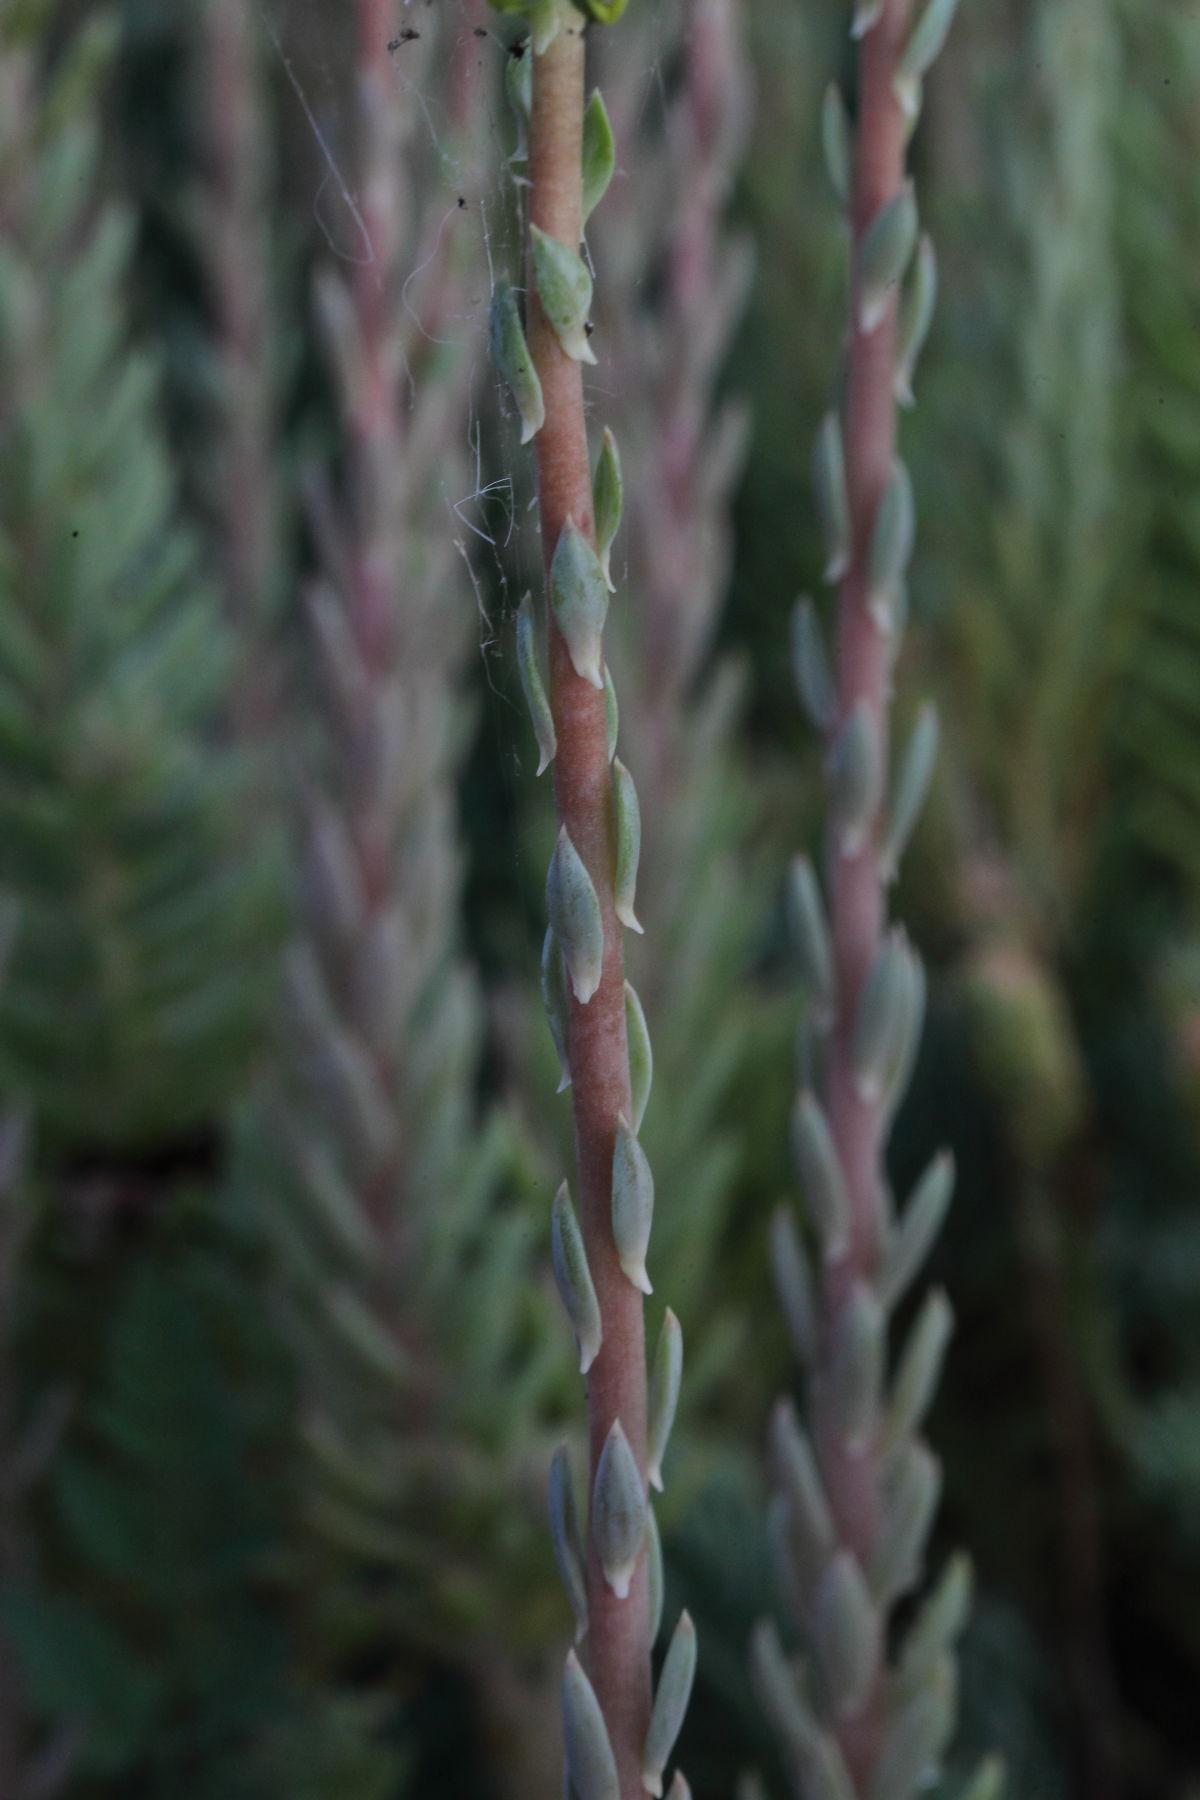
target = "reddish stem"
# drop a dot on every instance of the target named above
(857, 887)
(618, 1648)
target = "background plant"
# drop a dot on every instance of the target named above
(405, 1238)
(855, 1487)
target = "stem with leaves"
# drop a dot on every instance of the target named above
(398, 1262)
(618, 1736)
(856, 1492)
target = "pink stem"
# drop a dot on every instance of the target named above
(857, 888)
(618, 1648)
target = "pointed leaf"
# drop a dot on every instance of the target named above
(632, 1205)
(641, 1056)
(884, 255)
(810, 934)
(510, 353)
(575, 917)
(911, 787)
(856, 780)
(564, 1533)
(591, 1765)
(833, 500)
(665, 1377)
(579, 598)
(599, 154)
(608, 500)
(892, 538)
(820, 1172)
(554, 1000)
(574, 1278)
(618, 1512)
(671, 1698)
(628, 822)
(837, 145)
(532, 686)
(917, 304)
(565, 289)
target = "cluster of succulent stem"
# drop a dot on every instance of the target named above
(618, 1733)
(855, 1488)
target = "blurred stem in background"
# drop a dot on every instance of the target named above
(856, 1489)
(426, 1364)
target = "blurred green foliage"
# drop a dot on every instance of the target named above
(142, 922)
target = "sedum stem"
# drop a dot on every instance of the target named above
(858, 903)
(618, 1636)
(856, 1493)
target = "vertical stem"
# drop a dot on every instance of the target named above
(618, 1649)
(850, 1526)
(857, 887)
(856, 884)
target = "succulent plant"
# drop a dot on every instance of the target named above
(855, 1488)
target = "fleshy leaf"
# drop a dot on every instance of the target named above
(574, 1278)
(632, 1205)
(564, 1533)
(608, 499)
(665, 1376)
(533, 687)
(510, 353)
(671, 1698)
(599, 154)
(884, 255)
(565, 289)
(618, 1511)
(641, 1055)
(579, 598)
(628, 821)
(574, 910)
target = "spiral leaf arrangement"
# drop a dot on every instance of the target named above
(856, 1489)
(618, 1735)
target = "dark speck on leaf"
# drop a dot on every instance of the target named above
(406, 37)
